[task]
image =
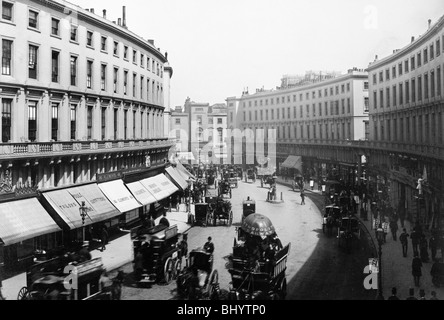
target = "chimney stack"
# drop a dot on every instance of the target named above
(430, 23)
(119, 21)
(124, 17)
(92, 10)
(376, 57)
(413, 38)
(104, 13)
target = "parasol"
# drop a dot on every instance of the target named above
(258, 225)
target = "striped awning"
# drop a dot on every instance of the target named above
(141, 193)
(293, 162)
(119, 195)
(24, 219)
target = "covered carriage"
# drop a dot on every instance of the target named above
(199, 281)
(250, 175)
(225, 188)
(331, 218)
(349, 233)
(259, 262)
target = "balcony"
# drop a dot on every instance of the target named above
(68, 148)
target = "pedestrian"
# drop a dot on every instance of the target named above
(302, 197)
(411, 294)
(1, 286)
(422, 295)
(209, 246)
(415, 241)
(393, 296)
(104, 238)
(433, 246)
(404, 242)
(84, 253)
(416, 269)
(164, 220)
(423, 249)
(105, 283)
(433, 293)
(394, 228)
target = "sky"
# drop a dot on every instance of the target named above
(219, 48)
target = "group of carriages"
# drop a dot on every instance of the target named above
(213, 210)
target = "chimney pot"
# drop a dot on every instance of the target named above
(119, 21)
(104, 13)
(124, 17)
(376, 57)
(92, 10)
(430, 23)
(413, 38)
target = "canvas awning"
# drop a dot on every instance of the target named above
(159, 186)
(67, 202)
(119, 195)
(24, 219)
(294, 162)
(184, 172)
(177, 177)
(141, 193)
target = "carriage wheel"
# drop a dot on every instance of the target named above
(23, 294)
(168, 270)
(213, 284)
(230, 219)
(177, 268)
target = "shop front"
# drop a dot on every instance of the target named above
(145, 198)
(26, 230)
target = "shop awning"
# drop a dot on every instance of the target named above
(141, 193)
(294, 162)
(67, 208)
(24, 219)
(159, 186)
(119, 195)
(184, 172)
(176, 176)
(99, 208)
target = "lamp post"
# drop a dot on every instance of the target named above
(380, 238)
(82, 210)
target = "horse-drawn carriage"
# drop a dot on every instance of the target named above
(230, 176)
(157, 255)
(199, 281)
(62, 279)
(258, 262)
(349, 233)
(248, 207)
(220, 209)
(224, 188)
(250, 175)
(331, 218)
(202, 214)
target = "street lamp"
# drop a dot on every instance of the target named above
(380, 238)
(82, 210)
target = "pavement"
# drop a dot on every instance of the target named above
(118, 253)
(396, 269)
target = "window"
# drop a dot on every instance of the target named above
(348, 106)
(418, 60)
(387, 74)
(147, 89)
(438, 81)
(326, 109)
(134, 124)
(401, 94)
(148, 63)
(74, 33)
(103, 120)
(116, 48)
(374, 78)
(266, 115)
(413, 84)
(381, 79)
(115, 122)
(6, 56)
(125, 82)
(419, 89)
(178, 134)
(219, 120)
(407, 92)
(348, 87)
(381, 98)
(32, 121)
(73, 70)
(55, 66)
(343, 106)
(142, 59)
(142, 80)
(394, 95)
(54, 121)
(73, 118)
(272, 114)
(365, 85)
(89, 38)
(134, 56)
(255, 116)
(366, 104)
(337, 90)
(6, 119)
(438, 47)
(426, 56)
(400, 68)
(277, 114)
(33, 19)
(125, 52)
(125, 124)
(103, 77)
(103, 44)
(406, 66)
(261, 112)
(412, 63)
(7, 11)
(32, 66)
(375, 99)
(426, 86)
(89, 65)
(177, 120)
(134, 84)
(394, 72)
(55, 26)
(245, 115)
(115, 79)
